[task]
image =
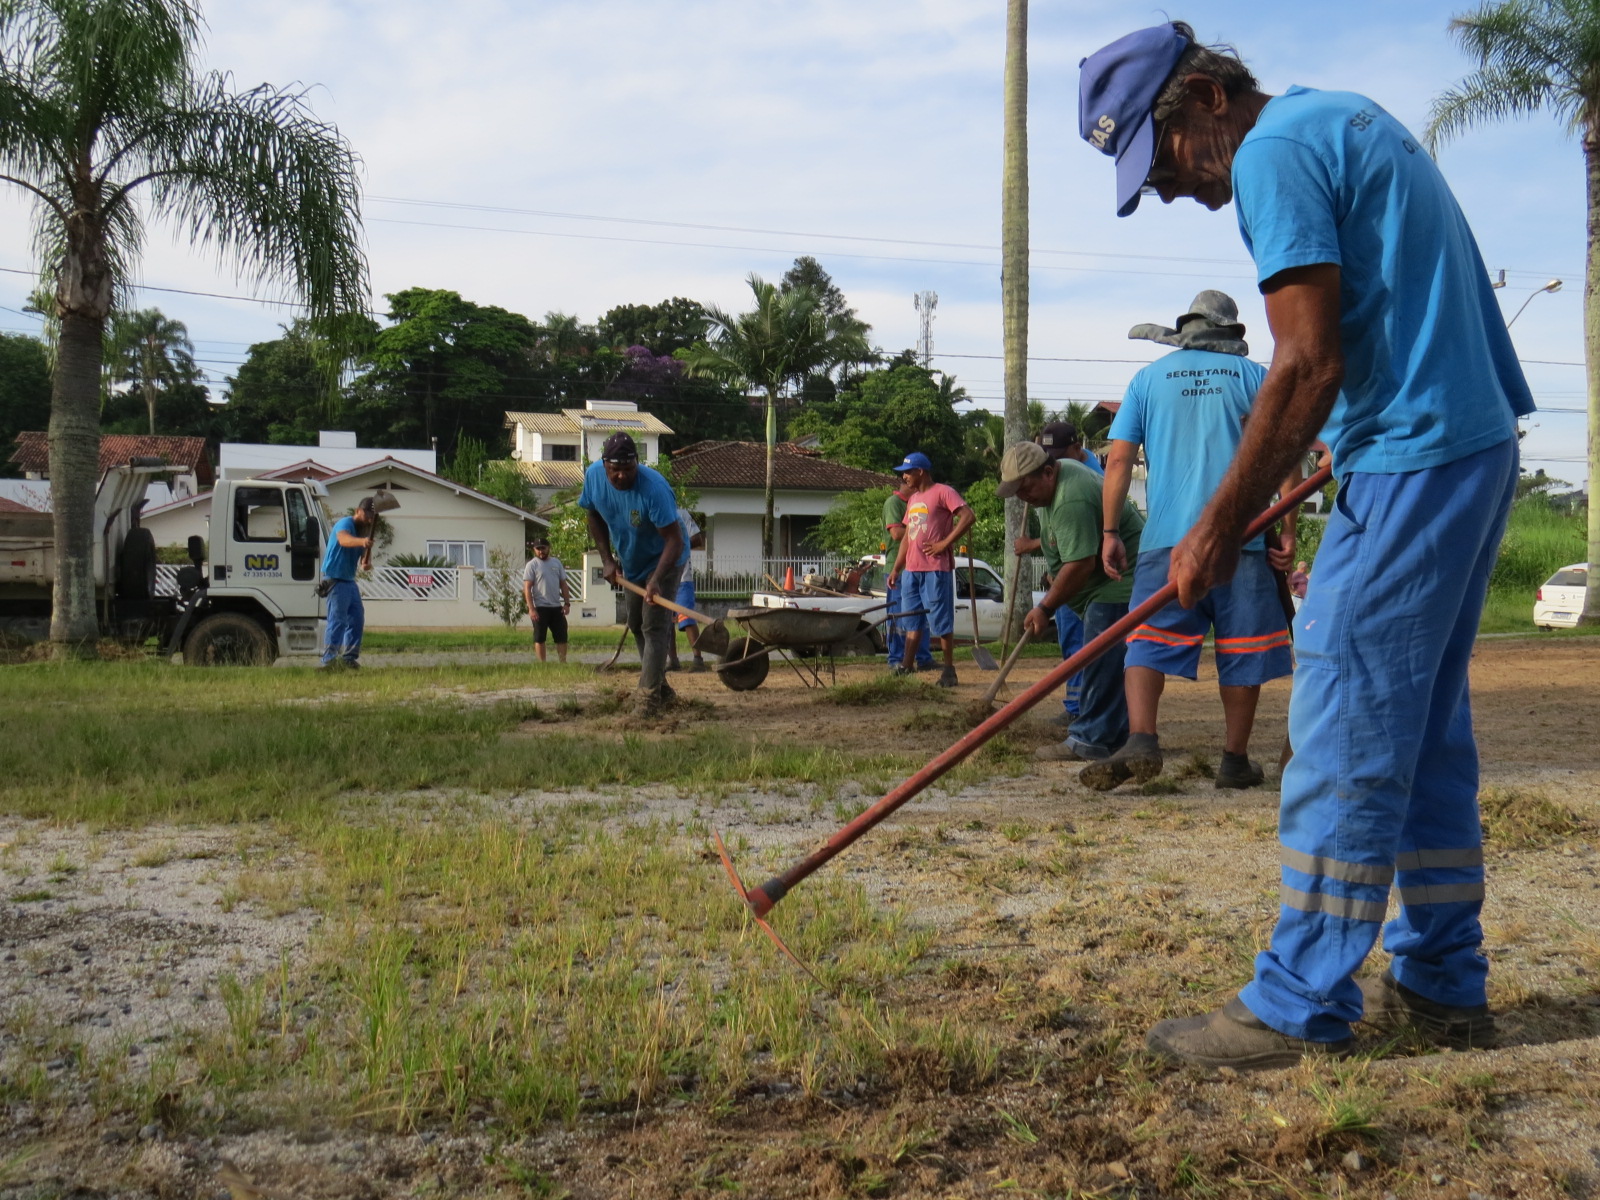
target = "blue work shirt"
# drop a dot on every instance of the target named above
(635, 517)
(1187, 409)
(1430, 374)
(340, 562)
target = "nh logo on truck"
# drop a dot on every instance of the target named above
(260, 562)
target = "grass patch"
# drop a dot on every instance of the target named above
(433, 641)
(128, 743)
(1517, 819)
(881, 689)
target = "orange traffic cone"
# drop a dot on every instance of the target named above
(788, 580)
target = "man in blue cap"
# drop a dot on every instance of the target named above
(936, 519)
(1389, 342)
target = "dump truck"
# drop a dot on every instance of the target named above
(250, 601)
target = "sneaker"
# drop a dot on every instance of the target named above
(947, 678)
(673, 665)
(698, 667)
(1391, 1006)
(1234, 1037)
(1058, 752)
(1237, 771)
(1139, 759)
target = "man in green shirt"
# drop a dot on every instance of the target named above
(1067, 498)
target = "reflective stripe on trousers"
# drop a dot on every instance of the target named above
(1384, 783)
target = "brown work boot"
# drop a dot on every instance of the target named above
(1391, 1006)
(1239, 771)
(1233, 1036)
(1138, 759)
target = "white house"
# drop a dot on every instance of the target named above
(437, 517)
(336, 452)
(731, 480)
(552, 449)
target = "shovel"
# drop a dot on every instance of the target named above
(980, 652)
(979, 712)
(713, 637)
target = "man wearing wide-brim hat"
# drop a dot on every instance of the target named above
(1389, 343)
(1068, 499)
(1187, 410)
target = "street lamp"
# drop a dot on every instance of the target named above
(1553, 286)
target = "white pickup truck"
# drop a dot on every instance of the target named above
(991, 602)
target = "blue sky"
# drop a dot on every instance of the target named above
(571, 156)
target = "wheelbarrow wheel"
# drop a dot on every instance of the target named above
(746, 675)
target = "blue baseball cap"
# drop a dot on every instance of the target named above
(915, 461)
(1117, 89)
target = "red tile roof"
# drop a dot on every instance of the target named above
(11, 506)
(744, 465)
(33, 452)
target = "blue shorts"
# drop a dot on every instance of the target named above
(934, 591)
(685, 598)
(1246, 614)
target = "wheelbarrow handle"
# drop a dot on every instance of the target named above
(628, 585)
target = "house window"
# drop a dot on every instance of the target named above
(460, 554)
(563, 454)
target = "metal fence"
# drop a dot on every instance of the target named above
(737, 576)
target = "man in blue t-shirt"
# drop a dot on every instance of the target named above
(1188, 410)
(349, 550)
(1389, 343)
(633, 521)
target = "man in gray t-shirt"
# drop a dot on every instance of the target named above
(544, 587)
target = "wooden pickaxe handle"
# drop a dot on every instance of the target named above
(628, 585)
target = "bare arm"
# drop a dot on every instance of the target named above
(1289, 411)
(600, 535)
(527, 594)
(1068, 581)
(899, 563)
(566, 593)
(1113, 495)
(964, 519)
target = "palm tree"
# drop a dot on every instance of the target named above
(784, 338)
(148, 346)
(1532, 55)
(1014, 252)
(103, 114)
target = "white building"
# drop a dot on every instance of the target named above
(552, 449)
(335, 453)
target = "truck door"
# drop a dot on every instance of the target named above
(305, 538)
(258, 537)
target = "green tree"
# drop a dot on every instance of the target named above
(1533, 55)
(445, 368)
(881, 416)
(807, 272)
(105, 118)
(153, 352)
(279, 394)
(24, 389)
(663, 329)
(784, 338)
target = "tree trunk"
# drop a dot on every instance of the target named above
(1591, 353)
(1014, 259)
(769, 525)
(74, 474)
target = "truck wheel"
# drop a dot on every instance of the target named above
(228, 640)
(136, 566)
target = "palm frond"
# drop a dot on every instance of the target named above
(1483, 97)
(260, 180)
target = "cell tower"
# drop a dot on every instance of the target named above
(926, 302)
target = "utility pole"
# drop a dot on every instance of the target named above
(926, 302)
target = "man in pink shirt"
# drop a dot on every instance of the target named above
(936, 519)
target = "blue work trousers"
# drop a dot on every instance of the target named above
(1069, 633)
(904, 625)
(1102, 723)
(347, 618)
(1383, 787)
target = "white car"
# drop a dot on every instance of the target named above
(1557, 604)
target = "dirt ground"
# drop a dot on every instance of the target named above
(140, 929)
